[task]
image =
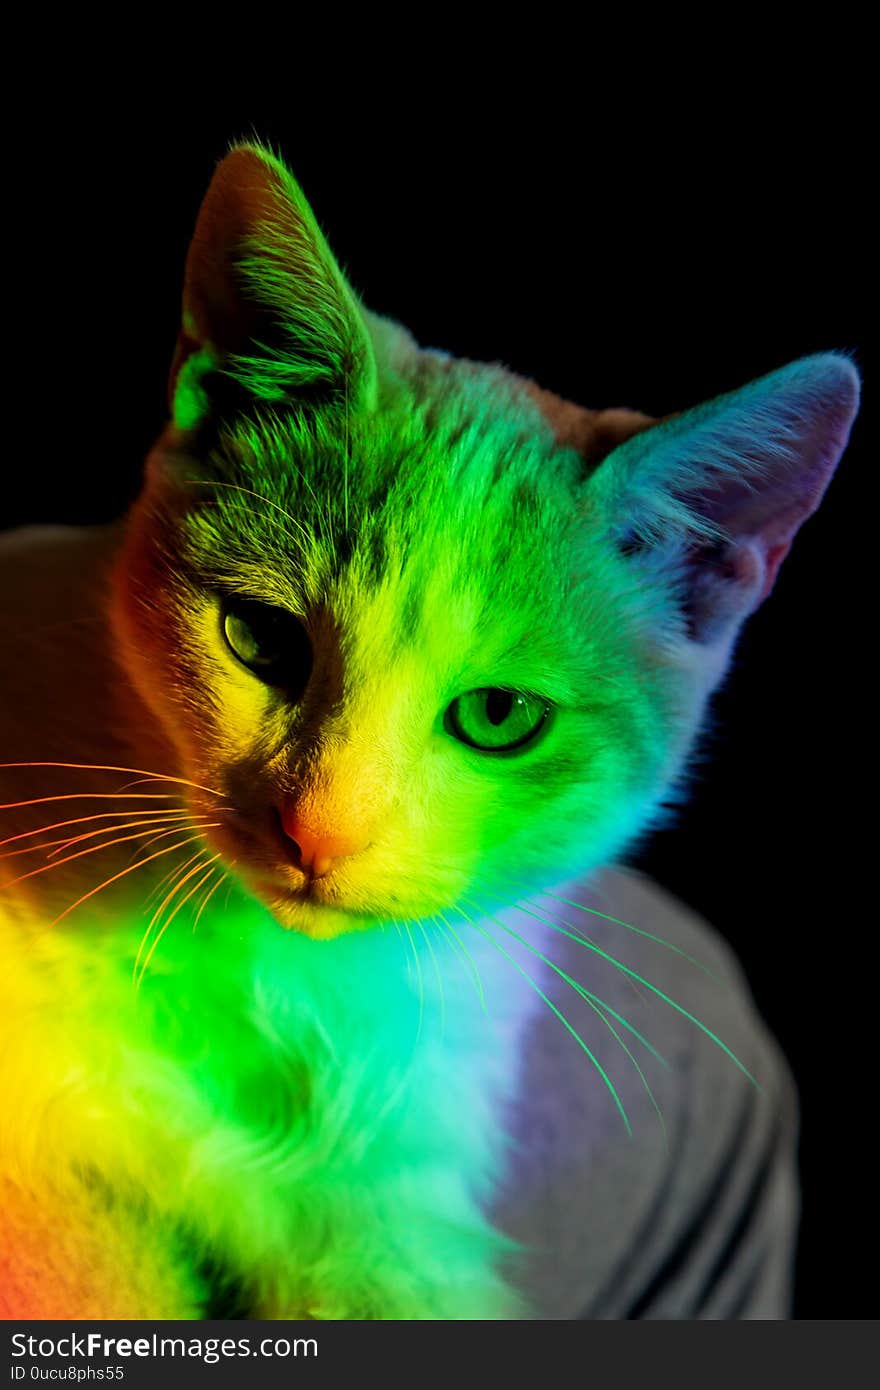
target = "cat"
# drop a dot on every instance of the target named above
(389, 640)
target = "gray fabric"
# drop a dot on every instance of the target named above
(697, 1223)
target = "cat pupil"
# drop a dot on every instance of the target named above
(270, 642)
(499, 703)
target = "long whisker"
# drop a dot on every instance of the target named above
(419, 970)
(122, 873)
(485, 886)
(618, 922)
(106, 767)
(587, 995)
(599, 1006)
(633, 974)
(89, 796)
(95, 849)
(419, 977)
(406, 955)
(436, 963)
(560, 1015)
(449, 935)
(142, 781)
(468, 958)
(97, 815)
(208, 896)
(172, 873)
(190, 825)
(206, 805)
(399, 929)
(172, 892)
(230, 885)
(65, 841)
(127, 825)
(166, 925)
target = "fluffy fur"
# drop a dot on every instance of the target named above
(276, 1117)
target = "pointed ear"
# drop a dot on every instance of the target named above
(713, 497)
(267, 313)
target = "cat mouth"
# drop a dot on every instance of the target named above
(307, 895)
(299, 901)
(302, 910)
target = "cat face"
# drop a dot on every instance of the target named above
(422, 627)
(455, 681)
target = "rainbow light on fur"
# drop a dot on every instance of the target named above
(274, 1114)
(198, 1104)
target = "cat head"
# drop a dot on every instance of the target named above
(426, 627)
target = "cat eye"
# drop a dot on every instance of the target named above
(495, 720)
(269, 641)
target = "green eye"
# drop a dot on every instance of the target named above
(269, 641)
(496, 720)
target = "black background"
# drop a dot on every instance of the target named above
(646, 239)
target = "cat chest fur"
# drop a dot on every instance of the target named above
(278, 1108)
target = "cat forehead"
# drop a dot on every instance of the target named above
(441, 544)
(391, 493)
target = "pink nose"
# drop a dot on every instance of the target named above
(317, 849)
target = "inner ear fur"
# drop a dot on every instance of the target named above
(268, 315)
(718, 493)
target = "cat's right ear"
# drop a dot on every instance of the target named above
(268, 316)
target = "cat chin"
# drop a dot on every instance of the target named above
(310, 917)
(320, 921)
(315, 920)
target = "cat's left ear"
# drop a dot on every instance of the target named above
(712, 498)
(268, 316)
